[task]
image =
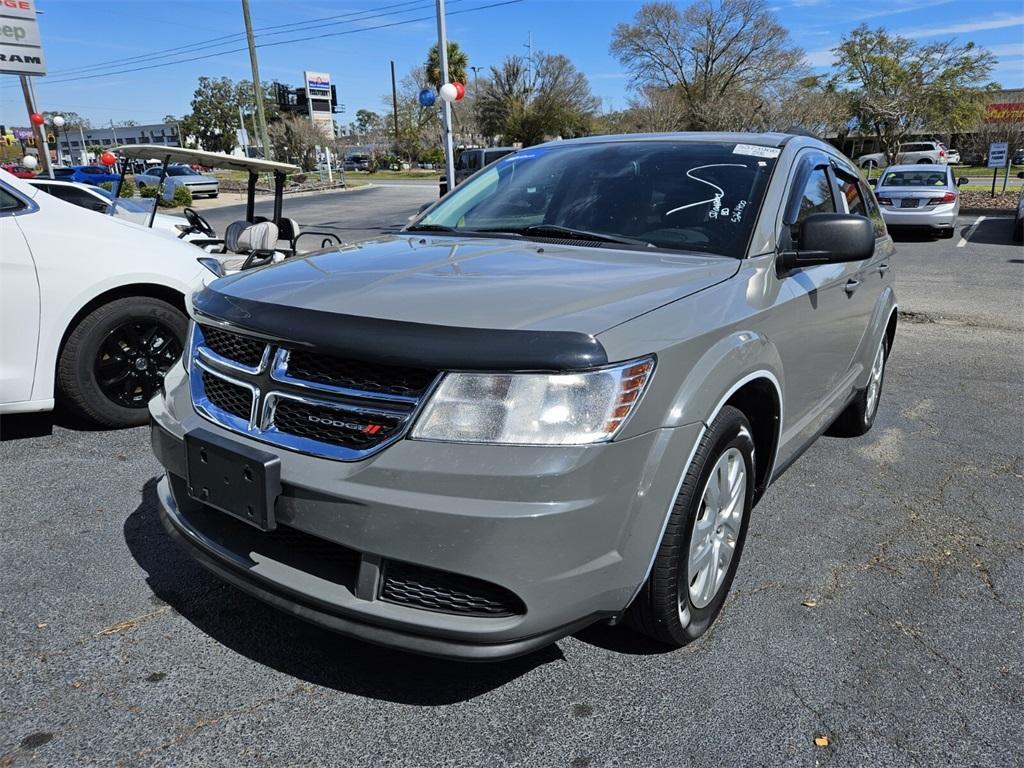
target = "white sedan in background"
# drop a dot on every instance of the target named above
(919, 196)
(92, 308)
(178, 176)
(97, 199)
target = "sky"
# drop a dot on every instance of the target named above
(83, 33)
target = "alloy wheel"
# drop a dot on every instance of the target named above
(875, 382)
(716, 530)
(133, 359)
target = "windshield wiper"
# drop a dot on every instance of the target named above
(581, 234)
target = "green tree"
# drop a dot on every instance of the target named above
(724, 62)
(71, 119)
(556, 102)
(214, 116)
(294, 139)
(458, 63)
(899, 86)
(368, 122)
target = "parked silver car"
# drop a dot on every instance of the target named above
(553, 399)
(179, 176)
(920, 196)
(925, 152)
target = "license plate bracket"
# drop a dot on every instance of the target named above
(236, 479)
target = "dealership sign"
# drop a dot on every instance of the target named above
(1006, 112)
(317, 83)
(21, 50)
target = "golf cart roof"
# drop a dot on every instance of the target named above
(187, 156)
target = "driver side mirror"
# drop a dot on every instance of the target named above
(830, 238)
(422, 208)
(873, 182)
(962, 180)
(1020, 175)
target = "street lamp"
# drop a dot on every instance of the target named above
(58, 123)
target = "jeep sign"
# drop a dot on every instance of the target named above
(21, 50)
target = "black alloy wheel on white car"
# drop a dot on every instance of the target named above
(115, 359)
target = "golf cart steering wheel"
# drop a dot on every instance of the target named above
(198, 223)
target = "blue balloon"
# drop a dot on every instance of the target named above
(427, 98)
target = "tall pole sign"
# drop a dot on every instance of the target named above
(21, 53)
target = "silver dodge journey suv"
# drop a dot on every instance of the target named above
(553, 399)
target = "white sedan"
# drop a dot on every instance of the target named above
(92, 308)
(178, 176)
(137, 210)
(919, 196)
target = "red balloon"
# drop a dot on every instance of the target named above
(108, 158)
(36, 118)
(460, 90)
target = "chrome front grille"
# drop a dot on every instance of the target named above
(301, 400)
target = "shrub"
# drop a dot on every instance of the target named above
(127, 188)
(148, 191)
(182, 196)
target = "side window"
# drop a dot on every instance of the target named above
(9, 203)
(816, 195)
(852, 195)
(874, 212)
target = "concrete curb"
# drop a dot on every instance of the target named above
(987, 211)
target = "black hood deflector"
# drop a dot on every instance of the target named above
(397, 342)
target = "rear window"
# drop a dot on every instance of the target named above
(913, 179)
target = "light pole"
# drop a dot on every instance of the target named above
(446, 108)
(58, 123)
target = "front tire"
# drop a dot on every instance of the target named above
(700, 551)
(114, 359)
(859, 416)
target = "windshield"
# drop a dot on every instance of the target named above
(180, 170)
(691, 196)
(913, 179)
(135, 210)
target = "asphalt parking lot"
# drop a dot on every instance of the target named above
(878, 606)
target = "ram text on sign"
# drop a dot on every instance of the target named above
(21, 49)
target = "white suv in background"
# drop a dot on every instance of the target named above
(931, 152)
(92, 308)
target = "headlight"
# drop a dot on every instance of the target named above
(214, 265)
(534, 408)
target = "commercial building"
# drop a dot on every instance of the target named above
(73, 151)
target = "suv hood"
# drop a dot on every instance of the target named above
(477, 283)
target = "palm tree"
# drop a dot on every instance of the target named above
(458, 63)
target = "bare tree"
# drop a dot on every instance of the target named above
(901, 87)
(295, 139)
(724, 63)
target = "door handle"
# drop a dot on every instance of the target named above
(883, 268)
(851, 286)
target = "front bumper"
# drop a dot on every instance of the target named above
(570, 531)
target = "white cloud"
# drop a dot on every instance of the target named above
(820, 58)
(970, 26)
(1006, 49)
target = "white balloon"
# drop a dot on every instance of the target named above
(29, 161)
(58, 121)
(449, 92)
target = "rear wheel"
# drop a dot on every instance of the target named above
(115, 358)
(859, 415)
(701, 548)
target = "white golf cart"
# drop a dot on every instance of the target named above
(249, 242)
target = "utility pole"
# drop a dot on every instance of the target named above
(257, 84)
(476, 80)
(38, 131)
(529, 60)
(113, 130)
(446, 108)
(394, 105)
(84, 153)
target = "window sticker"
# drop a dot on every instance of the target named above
(753, 150)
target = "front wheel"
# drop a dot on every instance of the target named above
(115, 358)
(702, 544)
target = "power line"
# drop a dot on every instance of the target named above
(216, 42)
(403, 22)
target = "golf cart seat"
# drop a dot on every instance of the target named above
(248, 244)
(291, 232)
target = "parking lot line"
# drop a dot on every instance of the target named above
(970, 231)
